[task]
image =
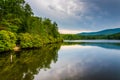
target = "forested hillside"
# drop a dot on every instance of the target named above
(90, 37)
(102, 32)
(19, 26)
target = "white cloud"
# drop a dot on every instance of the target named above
(58, 8)
(64, 11)
(75, 14)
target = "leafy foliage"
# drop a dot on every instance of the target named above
(27, 40)
(7, 40)
(16, 16)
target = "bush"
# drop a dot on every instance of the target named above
(37, 41)
(29, 40)
(25, 40)
(7, 40)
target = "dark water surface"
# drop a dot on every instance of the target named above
(69, 61)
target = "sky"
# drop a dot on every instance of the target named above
(75, 16)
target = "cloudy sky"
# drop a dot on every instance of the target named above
(75, 16)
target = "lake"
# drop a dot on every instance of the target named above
(72, 60)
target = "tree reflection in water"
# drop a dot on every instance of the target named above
(25, 64)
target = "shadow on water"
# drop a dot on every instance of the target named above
(25, 64)
(103, 45)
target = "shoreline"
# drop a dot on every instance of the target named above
(18, 48)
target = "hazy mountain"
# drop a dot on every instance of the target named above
(103, 32)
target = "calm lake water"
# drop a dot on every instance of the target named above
(71, 60)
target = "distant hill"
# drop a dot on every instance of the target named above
(103, 32)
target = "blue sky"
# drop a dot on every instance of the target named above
(74, 16)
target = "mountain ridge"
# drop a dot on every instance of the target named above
(102, 32)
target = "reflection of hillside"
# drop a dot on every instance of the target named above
(103, 45)
(25, 64)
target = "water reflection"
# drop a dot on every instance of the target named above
(73, 61)
(103, 45)
(25, 64)
(84, 62)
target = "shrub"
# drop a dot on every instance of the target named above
(37, 40)
(29, 40)
(7, 40)
(25, 40)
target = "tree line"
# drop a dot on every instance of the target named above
(17, 20)
(83, 37)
